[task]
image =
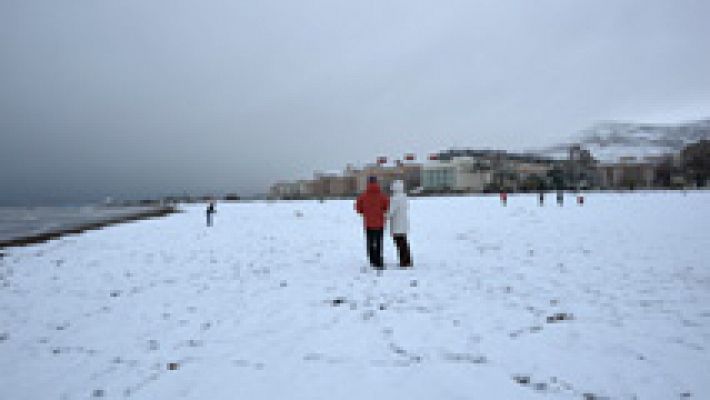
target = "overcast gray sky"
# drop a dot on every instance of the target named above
(140, 97)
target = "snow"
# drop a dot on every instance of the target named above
(610, 299)
(609, 141)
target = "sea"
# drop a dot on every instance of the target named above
(21, 222)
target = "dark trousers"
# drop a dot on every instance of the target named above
(405, 258)
(374, 246)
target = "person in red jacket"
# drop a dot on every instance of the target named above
(373, 205)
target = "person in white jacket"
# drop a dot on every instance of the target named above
(398, 216)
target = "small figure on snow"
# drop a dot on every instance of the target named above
(504, 198)
(560, 198)
(399, 223)
(210, 210)
(541, 198)
(373, 205)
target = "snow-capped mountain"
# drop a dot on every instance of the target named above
(608, 141)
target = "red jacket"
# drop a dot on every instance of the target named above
(372, 205)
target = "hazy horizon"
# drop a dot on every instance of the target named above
(143, 99)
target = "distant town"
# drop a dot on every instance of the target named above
(465, 170)
(487, 171)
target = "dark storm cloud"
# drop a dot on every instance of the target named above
(144, 97)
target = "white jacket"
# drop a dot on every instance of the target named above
(398, 214)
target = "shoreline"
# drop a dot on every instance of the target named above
(88, 226)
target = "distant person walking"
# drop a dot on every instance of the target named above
(210, 211)
(399, 223)
(373, 205)
(560, 198)
(504, 198)
(541, 198)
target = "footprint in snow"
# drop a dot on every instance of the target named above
(465, 358)
(557, 317)
(153, 345)
(247, 363)
(62, 326)
(337, 301)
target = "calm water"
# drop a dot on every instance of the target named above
(26, 221)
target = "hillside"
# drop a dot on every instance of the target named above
(608, 141)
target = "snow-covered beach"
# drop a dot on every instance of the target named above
(607, 300)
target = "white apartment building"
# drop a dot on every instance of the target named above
(460, 174)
